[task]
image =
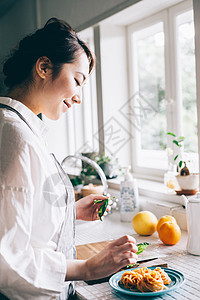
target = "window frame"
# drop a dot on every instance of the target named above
(172, 80)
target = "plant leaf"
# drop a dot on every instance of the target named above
(132, 266)
(141, 247)
(180, 163)
(98, 201)
(176, 142)
(181, 138)
(171, 133)
(175, 158)
(102, 209)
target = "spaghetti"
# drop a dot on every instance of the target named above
(145, 280)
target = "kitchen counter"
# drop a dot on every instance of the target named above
(175, 256)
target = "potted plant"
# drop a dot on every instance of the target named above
(77, 182)
(108, 165)
(186, 179)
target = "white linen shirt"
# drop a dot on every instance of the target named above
(32, 209)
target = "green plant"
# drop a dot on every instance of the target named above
(178, 141)
(107, 163)
(100, 159)
(76, 181)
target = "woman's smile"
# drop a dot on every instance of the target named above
(67, 104)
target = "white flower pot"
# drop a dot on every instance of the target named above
(189, 182)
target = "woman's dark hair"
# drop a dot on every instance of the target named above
(56, 40)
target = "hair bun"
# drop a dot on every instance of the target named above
(17, 67)
(56, 24)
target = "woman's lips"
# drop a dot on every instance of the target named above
(66, 103)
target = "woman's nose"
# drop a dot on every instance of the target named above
(77, 99)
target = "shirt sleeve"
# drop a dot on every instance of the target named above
(38, 273)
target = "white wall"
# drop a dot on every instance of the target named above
(22, 18)
(81, 13)
(16, 23)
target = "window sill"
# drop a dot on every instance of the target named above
(152, 197)
(149, 188)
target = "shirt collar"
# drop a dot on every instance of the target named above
(36, 124)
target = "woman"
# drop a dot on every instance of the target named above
(45, 74)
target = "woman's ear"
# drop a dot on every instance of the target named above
(43, 67)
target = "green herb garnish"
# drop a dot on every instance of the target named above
(141, 247)
(132, 266)
(99, 201)
(103, 207)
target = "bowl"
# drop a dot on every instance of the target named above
(188, 182)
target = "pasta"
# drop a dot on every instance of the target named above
(145, 280)
(166, 279)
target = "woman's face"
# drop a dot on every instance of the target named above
(59, 94)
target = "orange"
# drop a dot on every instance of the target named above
(165, 219)
(169, 233)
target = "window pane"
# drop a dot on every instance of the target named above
(151, 85)
(188, 79)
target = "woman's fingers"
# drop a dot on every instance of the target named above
(96, 215)
(124, 239)
(129, 246)
(98, 197)
(126, 252)
(126, 256)
(128, 261)
(129, 254)
(123, 249)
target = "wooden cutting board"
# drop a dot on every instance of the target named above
(88, 250)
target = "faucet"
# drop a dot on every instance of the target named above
(94, 165)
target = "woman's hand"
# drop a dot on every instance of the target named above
(116, 255)
(112, 258)
(86, 209)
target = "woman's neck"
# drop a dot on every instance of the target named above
(24, 96)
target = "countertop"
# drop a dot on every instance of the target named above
(176, 256)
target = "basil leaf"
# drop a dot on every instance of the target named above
(98, 201)
(102, 209)
(103, 206)
(141, 247)
(132, 266)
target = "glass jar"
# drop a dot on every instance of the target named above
(170, 180)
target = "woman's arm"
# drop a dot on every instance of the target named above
(116, 255)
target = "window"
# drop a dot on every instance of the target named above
(148, 84)
(185, 30)
(162, 78)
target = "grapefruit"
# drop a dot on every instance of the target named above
(144, 223)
